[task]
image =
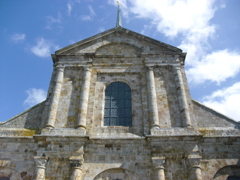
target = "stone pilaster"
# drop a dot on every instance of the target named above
(55, 97)
(76, 166)
(40, 167)
(182, 98)
(195, 172)
(158, 165)
(152, 98)
(84, 98)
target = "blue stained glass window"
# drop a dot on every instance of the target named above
(118, 106)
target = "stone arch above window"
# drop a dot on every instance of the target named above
(7, 173)
(117, 174)
(231, 172)
(118, 105)
(118, 49)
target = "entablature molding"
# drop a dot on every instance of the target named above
(117, 73)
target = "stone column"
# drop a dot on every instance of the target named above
(152, 98)
(55, 97)
(195, 172)
(76, 166)
(182, 98)
(40, 167)
(158, 163)
(81, 124)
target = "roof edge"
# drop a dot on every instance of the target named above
(116, 29)
(33, 107)
(200, 104)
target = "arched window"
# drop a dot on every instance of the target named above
(118, 105)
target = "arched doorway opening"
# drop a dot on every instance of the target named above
(231, 172)
(117, 174)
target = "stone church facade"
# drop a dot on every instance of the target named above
(119, 108)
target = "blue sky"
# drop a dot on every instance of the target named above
(208, 30)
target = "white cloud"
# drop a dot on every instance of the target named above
(86, 18)
(215, 67)
(18, 37)
(43, 48)
(69, 8)
(225, 101)
(35, 96)
(51, 20)
(101, 29)
(90, 16)
(189, 20)
(146, 29)
(92, 12)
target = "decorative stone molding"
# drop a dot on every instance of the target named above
(194, 161)
(149, 68)
(76, 163)
(40, 162)
(40, 167)
(158, 164)
(87, 68)
(195, 172)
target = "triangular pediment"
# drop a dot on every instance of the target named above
(118, 41)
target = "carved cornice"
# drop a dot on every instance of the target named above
(158, 162)
(149, 68)
(41, 162)
(194, 161)
(60, 68)
(76, 161)
(88, 68)
(116, 73)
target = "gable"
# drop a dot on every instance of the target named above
(118, 42)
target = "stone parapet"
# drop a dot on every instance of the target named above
(63, 132)
(174, 132)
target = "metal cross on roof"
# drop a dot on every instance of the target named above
(119, 18)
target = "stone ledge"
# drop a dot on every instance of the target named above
(116, 136)
(17, 132)
(222, 132)
(175, 132)
(63, 132)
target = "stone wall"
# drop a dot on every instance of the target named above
(172, 137)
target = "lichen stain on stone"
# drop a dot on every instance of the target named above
(64, 93)
(26, 132)
(206, 132)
